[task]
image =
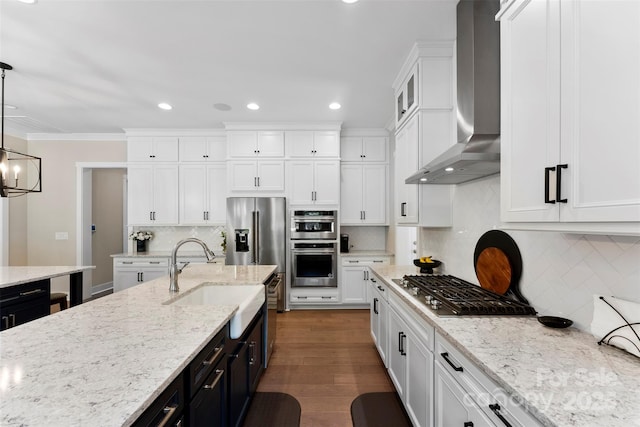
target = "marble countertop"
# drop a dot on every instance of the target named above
(105, 361)
(359, 253)
(11, 276)
(561, 376)
(166, 254)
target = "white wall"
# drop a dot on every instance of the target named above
(561, 272)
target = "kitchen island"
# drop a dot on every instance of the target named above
(562, 377)
(12, 276)
(104, 362)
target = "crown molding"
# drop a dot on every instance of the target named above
(283, 126)
(174, 132)
(89, 137)
(364, 132)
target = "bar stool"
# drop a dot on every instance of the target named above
(59, 298)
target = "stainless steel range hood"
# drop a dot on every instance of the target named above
(477, 152)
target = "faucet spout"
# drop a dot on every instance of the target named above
(174, 271)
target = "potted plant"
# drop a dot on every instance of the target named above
(141, 238)
(223, 244)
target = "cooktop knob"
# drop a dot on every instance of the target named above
(428, 299)
(435, 304)
(414, 291)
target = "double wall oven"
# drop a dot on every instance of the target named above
(314, 253)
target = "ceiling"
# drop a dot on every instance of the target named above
(92, 66)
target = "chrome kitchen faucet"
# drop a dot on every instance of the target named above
(174, 271)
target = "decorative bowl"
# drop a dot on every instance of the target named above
(555, 322)
(426, 267)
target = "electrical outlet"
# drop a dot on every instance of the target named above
(62, 235)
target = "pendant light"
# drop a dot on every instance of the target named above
(15, 167)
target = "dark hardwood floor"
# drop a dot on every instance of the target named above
(325, 359)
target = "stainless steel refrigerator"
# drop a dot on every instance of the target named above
(256, 233)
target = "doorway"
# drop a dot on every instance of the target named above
(101, 222)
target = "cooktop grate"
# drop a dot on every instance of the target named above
(449, 295)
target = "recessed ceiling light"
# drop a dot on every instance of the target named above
(222, 107)
(165, 106)
(28, 1)
(253, 106)
(423, 179)
(349, 1)
(335, 106)
(448, 169)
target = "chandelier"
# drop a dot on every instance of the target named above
(17, 168)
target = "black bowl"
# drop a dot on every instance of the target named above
(426, 267)
(555, 322)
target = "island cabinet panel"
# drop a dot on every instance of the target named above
(23, 303)
(245, 367)
(207, 375)
(167, 409)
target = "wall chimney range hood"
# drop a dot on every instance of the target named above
(477, 152)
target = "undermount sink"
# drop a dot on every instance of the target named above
(249, 298)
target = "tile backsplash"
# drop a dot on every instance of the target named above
(561, 272)
(164, 238)
(368, 238)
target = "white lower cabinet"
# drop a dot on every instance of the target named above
(131, 271)
(410, 362)
(461, 386)
(355, 276)
(379, 316)
(452, 404)
(438, 386)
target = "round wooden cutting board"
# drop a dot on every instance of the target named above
(498, 264)
(493, 270)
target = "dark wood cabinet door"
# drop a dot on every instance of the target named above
(209, 405)
(238, 384)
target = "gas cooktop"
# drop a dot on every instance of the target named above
(450, 296)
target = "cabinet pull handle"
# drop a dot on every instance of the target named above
(445, 355)
(546, 184)
(496, 410)
(5, 320)
(216, 352)
(258, 179)
(559, 198)
(380, 288)
(403, 209)
(353, 262)
(6, 300)
(35, 291)
(375, 306)
(373, 280)
(150, 216)
(402, 337)
(168, 413)
(364, 214)
(127, 262)
(252, 352)
(216, 380)
(12, 320)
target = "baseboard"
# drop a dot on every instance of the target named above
(103, 288)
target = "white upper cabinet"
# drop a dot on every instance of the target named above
(203, 149)
(407, 96)
(363, 149)
(570, 140)
(152, 149)
(152, 194)
(203, 191)
(363, 194)
(258, 176)
(314, 182)
(250, 143)
(313, 143)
